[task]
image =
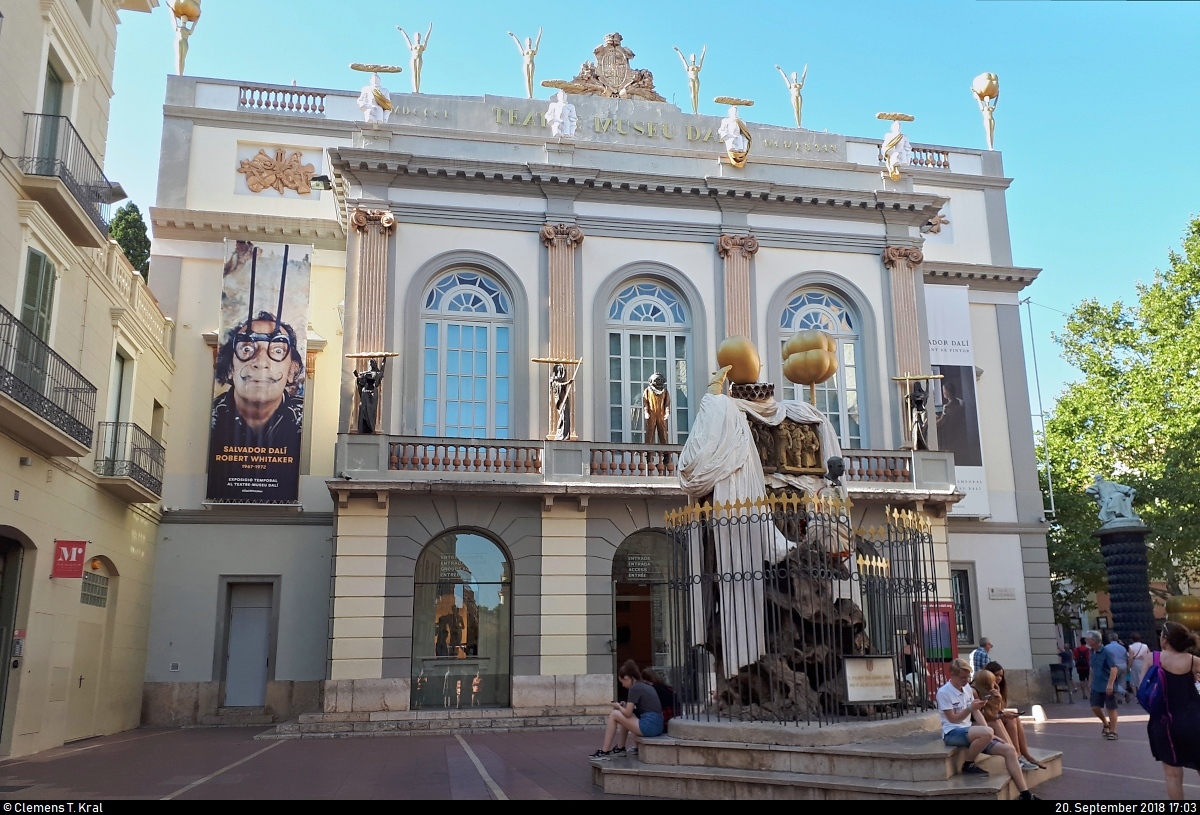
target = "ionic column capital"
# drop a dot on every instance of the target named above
(747, 245)
(385, 218)
(570, 233)
(894, 254)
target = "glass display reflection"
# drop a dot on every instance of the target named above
(462, 611)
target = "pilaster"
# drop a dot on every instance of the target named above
(737, 251)
(561, 240)
(360, 560)
(374, 227)
(903, 264)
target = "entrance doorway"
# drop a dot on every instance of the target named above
(83, 692)
(247, 657)
(11, 553)
(641, 629)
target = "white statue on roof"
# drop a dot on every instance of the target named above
(561, 117)
(375, 102)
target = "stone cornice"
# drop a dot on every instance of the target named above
(980, 276)
(200, 225)
(379, 168)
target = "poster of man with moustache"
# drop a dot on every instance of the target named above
(258, 405)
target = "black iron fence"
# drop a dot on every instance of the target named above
(42, 381)
(54, 148)
(781, 611)
(125, 450)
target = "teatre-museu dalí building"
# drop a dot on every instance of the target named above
(410, 569)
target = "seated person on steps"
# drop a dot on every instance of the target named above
(963, 726)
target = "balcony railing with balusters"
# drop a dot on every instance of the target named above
(928, 157)
(54, 148)
(125, 450)
(281, 100)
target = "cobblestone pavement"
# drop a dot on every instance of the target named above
(222, 763)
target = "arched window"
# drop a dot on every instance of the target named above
(462, 612)
(840, 397)
(649, 332)
(466, 365)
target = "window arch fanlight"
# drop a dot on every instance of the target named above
(462, 623)
(649, 331)
(466, 361)
(840, 398)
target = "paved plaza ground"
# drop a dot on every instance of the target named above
(224, 763)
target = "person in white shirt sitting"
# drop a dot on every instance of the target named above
(963, 726)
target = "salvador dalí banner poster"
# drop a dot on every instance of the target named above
(259, 374)
(950, 354)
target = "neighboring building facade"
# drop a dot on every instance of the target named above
(85, 378)
(416, 569)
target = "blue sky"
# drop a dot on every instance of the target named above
(1095, 120)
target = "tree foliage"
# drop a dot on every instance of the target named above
(129, 231)
(1133, 418)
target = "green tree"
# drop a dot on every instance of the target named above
(1133, 418)
(129, 231)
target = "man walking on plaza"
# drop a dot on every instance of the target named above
(963, 726)
(979, 657)
(1105, 671)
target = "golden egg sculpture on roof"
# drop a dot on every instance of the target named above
(810, 357)
(741, 354)
(186, 9)
(986, 86)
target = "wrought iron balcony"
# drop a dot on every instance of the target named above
(54, 149)
(129, 462)
(43, 400)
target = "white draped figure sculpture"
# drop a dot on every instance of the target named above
(730, 132)
(897, 151)
(375, 101)
(1115, 502)
(561, 117)
(720, 458)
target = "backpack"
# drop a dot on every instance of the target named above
(1152, 693)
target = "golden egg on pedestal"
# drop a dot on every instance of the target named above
(1185, 610)
(186, 9)
(986, 85)
(743, 356)
(810, 357)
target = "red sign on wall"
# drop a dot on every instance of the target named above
(68, 558)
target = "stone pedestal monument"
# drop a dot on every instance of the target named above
(1123, 544)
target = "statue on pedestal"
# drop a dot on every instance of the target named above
(794, 87)
(897, 150)
(1115, 502)
(986, 90)
(693, 71)
(562, 397)
(368, 383)
(656, 409)
(528, 52)
(417, 49)
(374, 100)
(561, 117)
(918, 416)
(182, 13)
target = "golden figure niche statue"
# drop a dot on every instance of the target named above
(183, 12)
(986, 89)
(416, 49)
(528, 51)
(794, 88)
(693, 72)
(562, 396)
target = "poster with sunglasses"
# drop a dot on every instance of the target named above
(259, 374)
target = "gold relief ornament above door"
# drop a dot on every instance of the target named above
(284, 171)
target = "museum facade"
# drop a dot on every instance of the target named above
(461, 556)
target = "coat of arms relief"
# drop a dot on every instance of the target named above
(610, 75)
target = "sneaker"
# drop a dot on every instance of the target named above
(601, 754)
(1027, 796)
(971, 768)
(617, 751)
(1027, 765)
(632, 751)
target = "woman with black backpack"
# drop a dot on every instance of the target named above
(1174, 730)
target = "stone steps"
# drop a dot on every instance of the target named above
(634, 776)
(237, 717)
(425, 722)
